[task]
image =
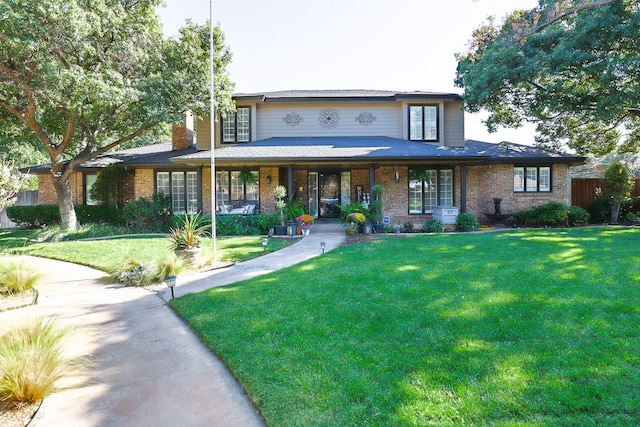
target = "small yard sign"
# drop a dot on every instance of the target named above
(386, 220)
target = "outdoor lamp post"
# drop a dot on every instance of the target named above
(171, 283)
(265, 241)
(322, 246)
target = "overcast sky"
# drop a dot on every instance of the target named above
(403, 45)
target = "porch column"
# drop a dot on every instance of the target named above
(372, 176)
(463, 189)
(290, 189)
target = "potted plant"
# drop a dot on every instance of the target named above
(280, 193)
(247, 177)
(357, 220)
(376, 208)
(187, 237)
(304, 222)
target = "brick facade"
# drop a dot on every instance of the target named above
(144, 183)
(47, 192)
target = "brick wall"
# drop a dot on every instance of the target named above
(486, 182)
(267, 201)
(144, 183)
(47, 193)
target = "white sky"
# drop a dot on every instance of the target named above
(403, 45)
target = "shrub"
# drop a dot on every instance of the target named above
(149, 214)
(134, 273)
(16, 277)
(89, 214)
(172, 265)
(407, 227)
(632, 218)
(35, 215)
(577, 216)
(32, 359)
(388, 228)
(600, 210)
(467, 222)
(552, 213)
(433, 226)
(245, 225)
(345, 211)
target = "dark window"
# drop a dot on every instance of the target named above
(423, 123)
(532, 179)
(231, 187)
(182, 188)
(430, 188)
(236, 127)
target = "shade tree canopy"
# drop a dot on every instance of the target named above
(571, 67)
(81, 77)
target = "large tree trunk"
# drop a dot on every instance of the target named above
(65, 201)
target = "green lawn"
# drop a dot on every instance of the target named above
(531, 327)
(105, 254)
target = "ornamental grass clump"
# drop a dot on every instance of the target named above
(32, 360)
(16, 278)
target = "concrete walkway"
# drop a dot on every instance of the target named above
(147, 367)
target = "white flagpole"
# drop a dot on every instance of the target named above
(212, 110)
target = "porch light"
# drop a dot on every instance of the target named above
(265, 241)
(396, 175)
(322, 246)
(171, 283)
(268, 179)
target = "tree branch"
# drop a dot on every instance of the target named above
(561, 16)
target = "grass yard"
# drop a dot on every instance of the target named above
(531, 327)
(104, 254)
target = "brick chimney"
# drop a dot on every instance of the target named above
(182, 136)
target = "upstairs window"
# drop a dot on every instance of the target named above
(532, 179)
(423, 123)
(236, 127)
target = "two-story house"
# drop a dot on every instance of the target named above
(330, 148)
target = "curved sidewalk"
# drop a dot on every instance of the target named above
(147, 367)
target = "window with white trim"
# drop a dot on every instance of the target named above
(236, 127)
(181, 187)
(423, 123)
(532, 179)
(231, 187)
(434, 187)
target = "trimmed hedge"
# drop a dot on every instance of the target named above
(467, 222)
(551, 214)
(40, 215)
(245, 225)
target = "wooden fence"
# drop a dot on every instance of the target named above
(25, 198)
(583, 190)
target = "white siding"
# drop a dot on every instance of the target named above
(453, 124)
(271, 121)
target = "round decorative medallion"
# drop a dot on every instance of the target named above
(365, 119)
(329, 118)
(293, 119)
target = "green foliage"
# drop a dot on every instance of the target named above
(467, 222)
(133, 273)
(600, 210)
(80, 78)
(189, 234)
(552, 213)
(632, 218)
(109, 186)
(433, 226)
(245, 225)
(345, 211)
(545, 66)
(17, 277)
(149, 214)
(33, 359)
(407, 227)
(375, 207)
(293, 209)
(34, 216)
(100, 214)
(577, 216)
(11, 183)
(618, 183)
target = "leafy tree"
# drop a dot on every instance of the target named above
(87, 76)
(11, 183)
(618, 182)
(572, 67)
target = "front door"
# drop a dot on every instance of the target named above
(329, 189)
